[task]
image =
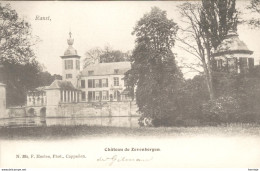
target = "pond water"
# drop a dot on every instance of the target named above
(92, 121)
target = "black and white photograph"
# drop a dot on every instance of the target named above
(130, 84)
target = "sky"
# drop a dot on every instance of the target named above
(100, 23)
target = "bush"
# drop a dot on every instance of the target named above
(223, 109)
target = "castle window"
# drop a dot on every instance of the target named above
(68, 64)
(91, 96)
(77, 64)
(232, 65)
(105, 95)
(90, 83)
(83, 96)
(251, 63)
(97, 83)
(105, 82)
(82, 83)
(90, 73)
(243, 64)
(97, 95)
(117, 95)
(68, 76)
(116, 81)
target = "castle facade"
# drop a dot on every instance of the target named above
(97, 83)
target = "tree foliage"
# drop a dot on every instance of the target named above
(15, 37)
(217, 18)
(154, 71)
(194, 94)
(19, 78)
(110, 55)
(254, 8)
(194, 41)
(237, 101)
(255, 5)
(207, 23)
(92, 56)
(20, 70)
(106, 55)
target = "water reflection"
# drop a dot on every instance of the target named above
(97, 121)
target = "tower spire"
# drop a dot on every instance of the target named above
(70, 40)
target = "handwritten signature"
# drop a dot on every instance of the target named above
(118, 159)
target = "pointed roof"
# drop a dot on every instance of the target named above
(232, 45)
(70, 51)
(61, 84)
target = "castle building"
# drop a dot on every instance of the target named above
(104, 82)
(232, 55)
(70, 63)
(37, 97)
(96, 83)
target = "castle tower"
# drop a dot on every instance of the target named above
(70, 63)
(233, 55)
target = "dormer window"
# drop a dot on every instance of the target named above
(116, 71)
(90, 73)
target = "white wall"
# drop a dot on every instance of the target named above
(53, 97)
(110, 87)
(74, 71)
(37, 103)
(2, 101)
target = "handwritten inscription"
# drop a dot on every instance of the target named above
(42, 18)
(121, 159)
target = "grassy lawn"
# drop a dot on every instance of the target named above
(64, 132)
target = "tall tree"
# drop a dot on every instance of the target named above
(154, 71)
(254, 8)
(217, 18)
(19, 78)
(19, 67)
(196, 42)
(106, 55)
(15, 37)
(110, 55)
(207, 24)
(92, 56)
(44, 78)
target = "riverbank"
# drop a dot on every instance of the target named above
(67, 132)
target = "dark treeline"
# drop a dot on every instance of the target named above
(164, 98)
(19, 68)
(20, 78)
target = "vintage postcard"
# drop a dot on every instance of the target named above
(130, 84)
